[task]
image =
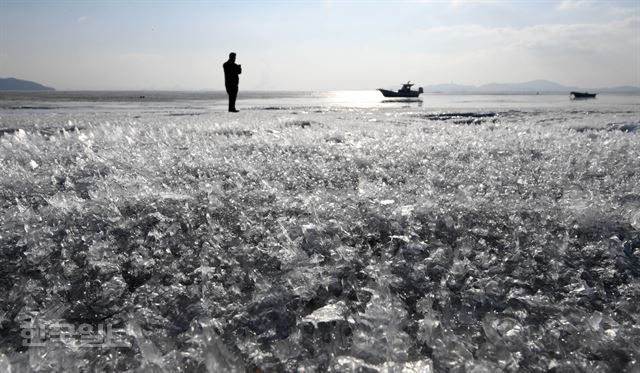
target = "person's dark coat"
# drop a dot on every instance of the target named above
(231, 72)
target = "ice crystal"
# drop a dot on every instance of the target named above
(325, 241)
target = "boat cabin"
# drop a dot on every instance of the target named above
(406, 87)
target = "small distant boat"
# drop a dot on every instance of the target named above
(575, 95)
(405, 91)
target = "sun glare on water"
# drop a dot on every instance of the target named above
(355, 98)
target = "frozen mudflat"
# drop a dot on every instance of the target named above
(321, 238)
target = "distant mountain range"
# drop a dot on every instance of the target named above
(542, 86)
(13, 84)
(534, 86)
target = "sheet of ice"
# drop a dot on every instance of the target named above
(471, 235)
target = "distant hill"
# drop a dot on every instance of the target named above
(13, 84)
(533, 86)
(450, 88)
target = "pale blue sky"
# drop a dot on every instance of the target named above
(318, 45)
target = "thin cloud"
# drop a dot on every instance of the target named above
(624, 11)
(574, 4)
(583, 54)
(82, 19)
(461, 3)
(587, 36)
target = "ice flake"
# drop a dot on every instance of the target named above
(635, 220)
(401, 238)
(406, 210)
(327, 313)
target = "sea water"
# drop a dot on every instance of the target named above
(56, 109)
(209, 102)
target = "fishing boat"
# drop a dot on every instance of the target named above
(575, 95)
(405, 91)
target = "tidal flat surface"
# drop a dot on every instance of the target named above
(391, 239)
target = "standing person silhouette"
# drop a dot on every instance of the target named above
(231, 80)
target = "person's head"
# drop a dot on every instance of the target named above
(232, 57)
